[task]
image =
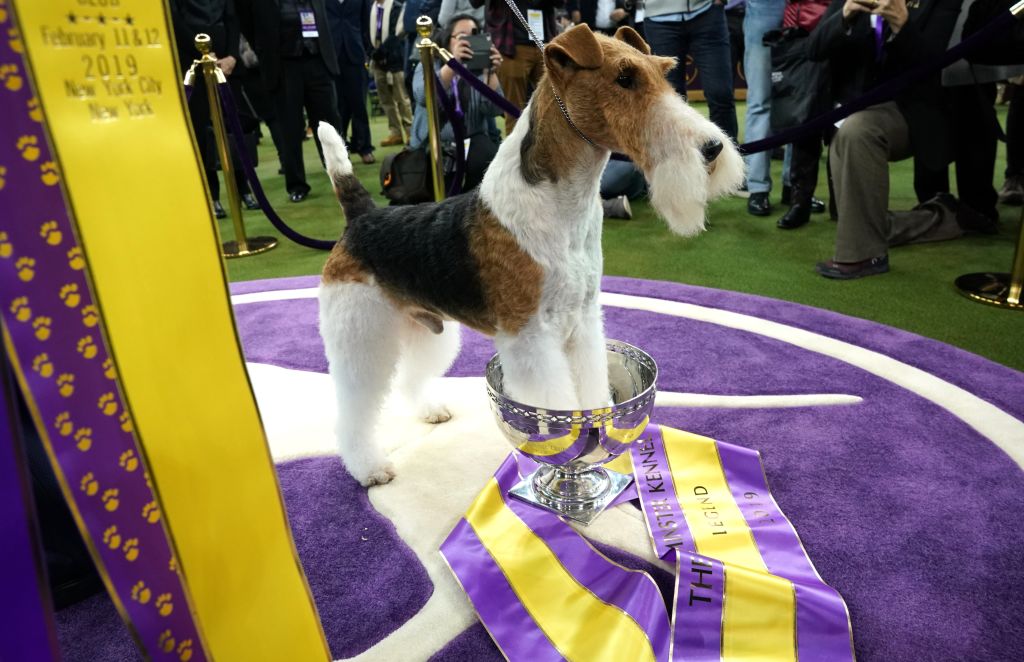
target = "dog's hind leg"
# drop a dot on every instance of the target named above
(360, 330)
(425, 357)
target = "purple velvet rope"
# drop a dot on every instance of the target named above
(459, 129)
(188, 93)
(231, 112)
(482, 88)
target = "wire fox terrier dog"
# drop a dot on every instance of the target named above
(518, 259)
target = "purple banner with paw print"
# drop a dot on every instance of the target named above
(57, 348)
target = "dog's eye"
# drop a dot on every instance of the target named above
(625, 80)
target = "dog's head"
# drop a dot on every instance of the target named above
(618, 96)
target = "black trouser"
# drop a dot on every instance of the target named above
(803, 170)
(975, 137)
(306, 83)
(1015, 135)
(352, 90)
(199, 111)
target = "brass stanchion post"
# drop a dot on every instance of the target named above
(425, 26)
(212, 74)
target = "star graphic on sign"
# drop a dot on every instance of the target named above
(128, 19)
(102, 19)
(72, 18)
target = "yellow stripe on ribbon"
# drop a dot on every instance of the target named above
(622, 464)
(552, 446)
(568, 613)
(114, 105)
(760, 608)
(626, 435)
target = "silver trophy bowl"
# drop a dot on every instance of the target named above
(571, 446)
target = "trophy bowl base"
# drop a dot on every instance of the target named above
(578, 495)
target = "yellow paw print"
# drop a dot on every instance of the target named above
(10, 77)
(90, 316)
(140, 593)
(107, 404)
(166, 641)
(75, 259)
(83, 439)
(14, 40)
(70, 296)
(43, 365)
(42, 325)
(48, 173)
(3, 12)
(26, 267)
(185, 650)
(6, 247)
(50, 233)
(29, 147)
(111, 538)
(126, 422)
(109, 371)
(131, 549)
(35, 112)
(163, 604)
(110, 499)
(63, 424)
(128, 461)
(20, 309)
(89, 485)
(151, 512)
(87, 347)
(66, 384)
(173, 565)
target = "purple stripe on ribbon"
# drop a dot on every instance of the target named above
(499, 608)
(660, 505)
(57, 334)
(697, 616)
(25, 611)
(634, 593)
(822, 621)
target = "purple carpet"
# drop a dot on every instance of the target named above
(912, 515)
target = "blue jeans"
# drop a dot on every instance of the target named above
(622, 178)
(706, 38)
(761, 16)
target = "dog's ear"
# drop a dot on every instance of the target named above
(633, 38)
(576, 48)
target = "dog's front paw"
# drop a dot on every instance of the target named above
(380, 475)
(435, 413)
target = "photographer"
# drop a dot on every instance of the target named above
(475, 109)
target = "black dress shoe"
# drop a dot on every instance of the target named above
(797, 216)
(758, 204)
(298, 196)
(249, 200)
(817, 206)
(218, 210)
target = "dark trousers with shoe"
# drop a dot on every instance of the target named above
(306, 83)
(803, 171)
(859, 158)
(1015, 135)
(352, 87)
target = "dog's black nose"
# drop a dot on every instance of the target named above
(711, 150)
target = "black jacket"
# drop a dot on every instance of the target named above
(213, 17)
(350, 29)
(850, 51)
(260, 21)
(390, 56)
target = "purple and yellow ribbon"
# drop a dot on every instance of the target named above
(745, 588)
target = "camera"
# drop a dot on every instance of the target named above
(481, 45)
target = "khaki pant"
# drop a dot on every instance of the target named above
(517, 74)
(859, 158)
(394, 100)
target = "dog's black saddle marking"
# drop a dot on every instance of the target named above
(421, 253)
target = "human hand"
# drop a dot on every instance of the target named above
(496, 58)
(893, 11)
(227, 64)
(618, 14)
(462, 51)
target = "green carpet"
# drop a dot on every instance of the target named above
(738, 252)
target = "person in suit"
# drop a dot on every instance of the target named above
(298, 62)
(875, 40)
(349, 21)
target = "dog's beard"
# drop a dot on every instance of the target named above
(679, 180)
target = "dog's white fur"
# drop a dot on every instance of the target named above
(558, 359)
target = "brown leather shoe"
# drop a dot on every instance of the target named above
(392, 140)
(368, 158)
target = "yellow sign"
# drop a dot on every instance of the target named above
(106, 75)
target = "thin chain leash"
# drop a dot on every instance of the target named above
(540, 46)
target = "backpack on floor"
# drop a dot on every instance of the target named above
(406, 178)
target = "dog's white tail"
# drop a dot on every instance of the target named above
(351, 193)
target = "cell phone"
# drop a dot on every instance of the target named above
(481, 45)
